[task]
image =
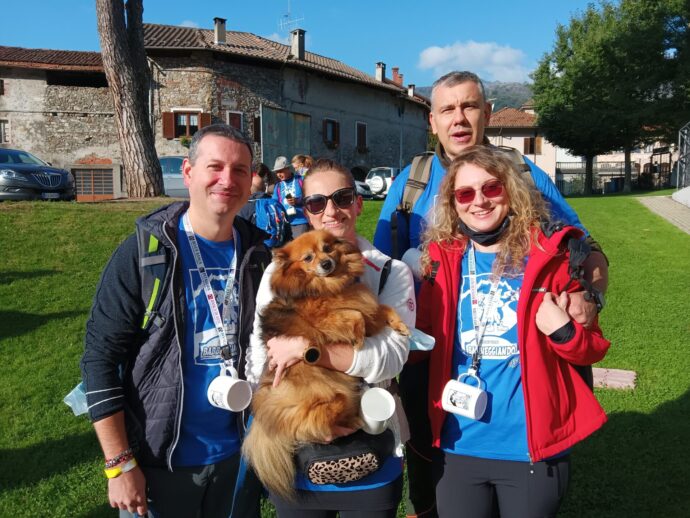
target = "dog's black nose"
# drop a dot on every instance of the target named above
(326, 264)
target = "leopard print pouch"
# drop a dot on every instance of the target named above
(347, 459)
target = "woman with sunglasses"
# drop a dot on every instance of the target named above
(495, 297)
(331, 203)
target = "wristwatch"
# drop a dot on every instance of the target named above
(311, 354)
(597, 297)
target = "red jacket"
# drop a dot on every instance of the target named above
(560, 408)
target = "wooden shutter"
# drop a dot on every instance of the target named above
(168, 125)
(361, 136)
(204, 120)
(537, 145)
(336, 133)
(525, 147)
(2, 87)
(257, 129)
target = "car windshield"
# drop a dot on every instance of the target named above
(171, 165)
(10, 156)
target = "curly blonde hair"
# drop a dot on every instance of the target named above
(527, 209)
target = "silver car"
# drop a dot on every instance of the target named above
(173, 182)
(26, 177)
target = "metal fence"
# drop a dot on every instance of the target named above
(683, 169)
(609, 177)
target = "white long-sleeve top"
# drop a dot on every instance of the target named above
(383, 355)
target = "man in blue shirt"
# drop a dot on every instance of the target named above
(459, 116)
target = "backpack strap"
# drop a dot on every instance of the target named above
(519, 160)
(153, 265)
(420, 172)
(385, 272)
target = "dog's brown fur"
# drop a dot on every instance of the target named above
(324, 307)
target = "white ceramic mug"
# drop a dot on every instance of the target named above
(377, 407)
(463, 399)
(229, 393)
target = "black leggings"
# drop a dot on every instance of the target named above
(381, 502)
(485, 488)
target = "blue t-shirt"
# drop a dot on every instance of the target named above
(207, 434)
(293, 186)
(501, 433)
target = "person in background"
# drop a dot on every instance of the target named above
(495, 293)
(269, 177)
(301, 164)
(168, 451)
(289, 193)
(267, 214)
(331, 203)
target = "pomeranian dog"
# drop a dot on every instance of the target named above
(318, 297)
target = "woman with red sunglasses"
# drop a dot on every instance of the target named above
(331, 203)
(506, 402)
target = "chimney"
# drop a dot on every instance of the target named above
(410, 90)
(219, 31)
(397, 77)
(297, 44)
(380, 71)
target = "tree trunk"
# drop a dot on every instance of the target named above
(627, 183)
(589, 174)
(126, 69)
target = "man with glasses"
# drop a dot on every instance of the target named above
(459, 116)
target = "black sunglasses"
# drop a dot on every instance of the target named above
(343, 198)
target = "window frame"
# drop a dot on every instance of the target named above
(362, 147)
(228, 113)
(335, 141)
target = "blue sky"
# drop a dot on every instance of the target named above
(500, 40)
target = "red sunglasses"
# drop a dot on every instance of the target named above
(491, 189)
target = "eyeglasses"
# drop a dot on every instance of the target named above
(491, 189)
(342, 198)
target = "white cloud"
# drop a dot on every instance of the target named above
(285, 40)
(491, 61)
(189, 23)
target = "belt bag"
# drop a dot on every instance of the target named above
(346, 459)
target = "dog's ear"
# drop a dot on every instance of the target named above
(280, 256)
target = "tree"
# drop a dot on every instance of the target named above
(570, 100)
(127, 72)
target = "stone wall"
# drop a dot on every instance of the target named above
(396, 126)
(60, 124)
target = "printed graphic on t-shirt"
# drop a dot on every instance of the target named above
(206, 341)
(502, 321)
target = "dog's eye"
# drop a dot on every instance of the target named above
(327, 249)
(308, 258)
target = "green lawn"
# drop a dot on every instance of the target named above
(51, 258)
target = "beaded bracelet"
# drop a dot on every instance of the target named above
(119, 458)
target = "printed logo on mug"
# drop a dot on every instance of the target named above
(290, 210)
(463, 399)
(229, 393)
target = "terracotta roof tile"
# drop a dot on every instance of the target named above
(51, 59)
(512, 118)
(253, 46)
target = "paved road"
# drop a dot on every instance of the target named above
(668, 208)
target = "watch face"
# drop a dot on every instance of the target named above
(312, 355)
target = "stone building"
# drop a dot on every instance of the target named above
(56, 104)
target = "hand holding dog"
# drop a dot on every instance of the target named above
(283, 352)
(552, 313)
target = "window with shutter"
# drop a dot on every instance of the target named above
(257, 129)
(234, 119)
(361, 137)
(331, 133)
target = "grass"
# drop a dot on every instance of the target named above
(52, 256)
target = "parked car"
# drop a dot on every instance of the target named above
(173, 183)
(380, 179)
(363, 190)
(26, 177)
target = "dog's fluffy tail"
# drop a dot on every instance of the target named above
(271, 457)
